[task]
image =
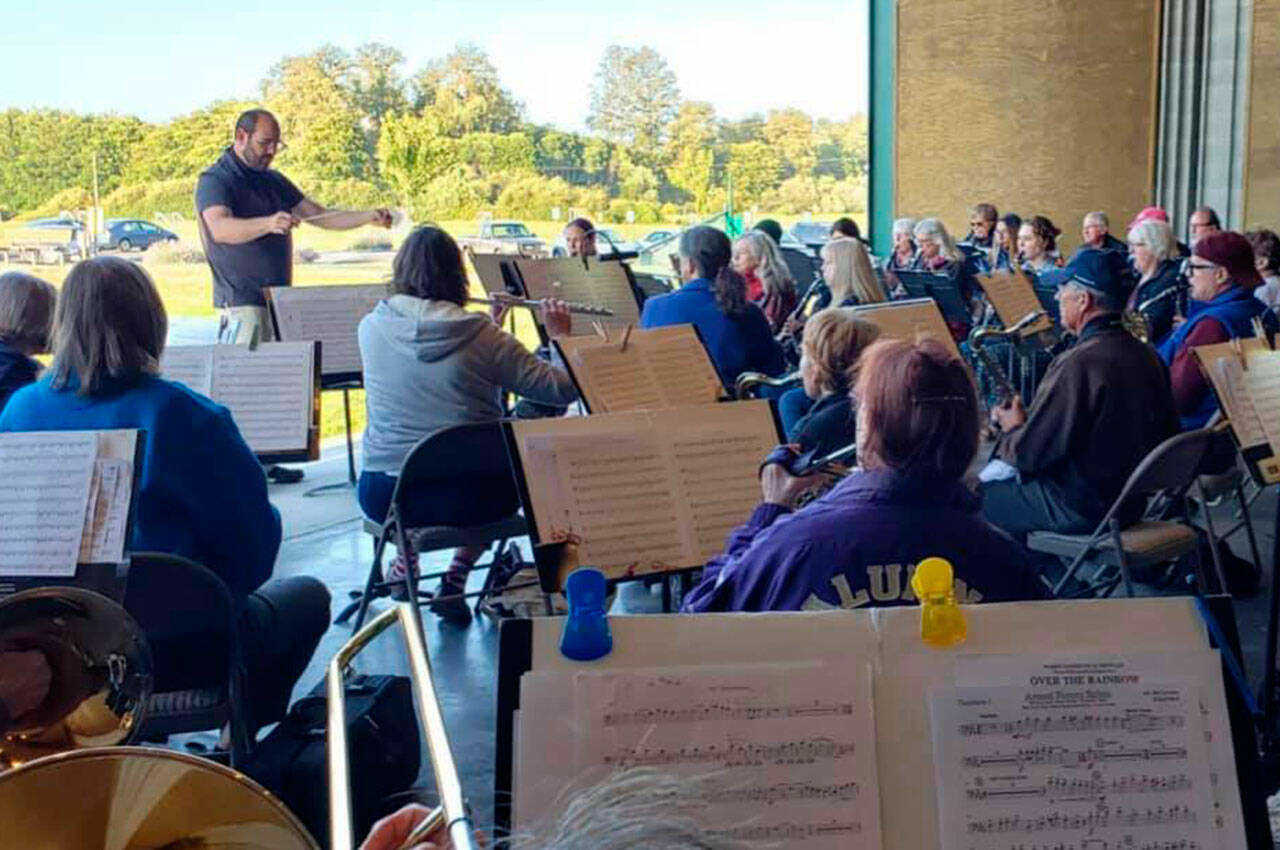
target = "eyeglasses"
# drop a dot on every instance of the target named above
(270, 144)
(1196, 267)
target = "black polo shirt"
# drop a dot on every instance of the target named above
(240, 271)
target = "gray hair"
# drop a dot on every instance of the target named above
(26, 311)
(1104, 301)
(904, 225)
(772, 269)
(1156, 235)
(933, 228)
(111, 324)
(1099, 217)
(635, 809)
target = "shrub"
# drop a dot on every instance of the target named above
(533, 196)
(173, 253)
(371, 242)
(70, 199)
(455, 194)
(145, 200)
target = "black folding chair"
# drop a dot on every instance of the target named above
(1114, 549)
(191, 623)
(463, 459)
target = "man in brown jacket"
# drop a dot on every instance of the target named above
(1103, 405)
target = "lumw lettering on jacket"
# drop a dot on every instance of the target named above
(887, 584)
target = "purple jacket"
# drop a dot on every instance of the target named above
(858, 545)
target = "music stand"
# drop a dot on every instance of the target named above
(944, 289)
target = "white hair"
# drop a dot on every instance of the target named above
(904, 225)
(933, 228)
(1156, 235)
(635, 809)
(772, 269)
(1098, 217)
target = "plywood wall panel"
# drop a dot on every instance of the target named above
(1039, 106)
(1262, 175)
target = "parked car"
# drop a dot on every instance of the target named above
(505, 237)
(608, 242)
(813, 234)
(128, 234)
(660, 240)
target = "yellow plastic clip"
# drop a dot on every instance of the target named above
(941, 620)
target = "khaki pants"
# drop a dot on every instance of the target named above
(239, 323)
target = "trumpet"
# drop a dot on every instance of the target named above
(536, 304)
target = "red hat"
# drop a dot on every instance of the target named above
(1234, 253)
(1150, 214)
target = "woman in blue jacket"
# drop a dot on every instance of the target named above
(201, 494)
(858, 544)
(714, 300)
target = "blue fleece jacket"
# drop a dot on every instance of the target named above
(858, 545)
(736, 345)
(202, 493)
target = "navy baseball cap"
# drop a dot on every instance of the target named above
(1103, 271)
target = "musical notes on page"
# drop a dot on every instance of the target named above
(661, 367)
(1262, 383)
(1014, 299)
(779, 752)
(912, 320)
(601, 284)
(47, 478)
(106, 523)
(329, 314)
(1082, 755)
(645, 491)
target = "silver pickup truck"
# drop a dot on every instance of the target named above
(505, 237)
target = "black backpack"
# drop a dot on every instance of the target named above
(382, 734)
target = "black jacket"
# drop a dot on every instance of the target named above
(1159, 315)
(1102, 406)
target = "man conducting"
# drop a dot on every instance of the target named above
(247, 213)
(1103, 405)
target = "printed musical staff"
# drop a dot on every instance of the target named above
(44, 504)
(1087, 757)
(734, 753)
(1069, 787)
(1090, 821)
(1076, 723)
(661, 367)
(330, 314)
(777, 832)
(704, 713)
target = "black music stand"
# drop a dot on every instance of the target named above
(943, 289)
(1046, 288)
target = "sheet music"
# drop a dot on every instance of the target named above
(784, 754)
(106, 523)
(269, 391)
(662, 367)
(190, 365)
(1262, 385)
(1014, 298)
(911, 320)
(1080, 753)
(600, 284)
(646, 491)
(488, 268)
(45, 500)
(1228, 378)
(329, 314)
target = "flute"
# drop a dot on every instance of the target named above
(536, 303)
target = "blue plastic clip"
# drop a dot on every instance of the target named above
(586, 634)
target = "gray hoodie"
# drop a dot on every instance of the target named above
(431, 364)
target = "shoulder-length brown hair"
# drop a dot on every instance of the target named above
(918, 410)
(429, 265)
(110, 325)
(26, 311)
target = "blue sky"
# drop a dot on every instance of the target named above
(162, 59)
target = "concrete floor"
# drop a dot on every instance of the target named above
(323, 538)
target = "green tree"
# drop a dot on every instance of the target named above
(790, 133)
(690, 153)
(464, 94)
(377, 88)
(755, 168)
(633, 99)
(749, 129)
(318, 119)
(490, 153)
(45, 151)
(185, 146)
(412, 152)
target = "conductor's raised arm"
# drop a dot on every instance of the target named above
(313, 213)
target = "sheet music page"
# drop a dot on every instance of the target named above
(1262, 386)
(190, 365)
(912, 320)
(44, 503)
(269, 391)
(784, 754)
(488, 269)
(103, 540)
(645, 491)
(662, 367)
(1081, 750)
(1013, 298)
(329, 314)
(1228, 378)
(600, 284)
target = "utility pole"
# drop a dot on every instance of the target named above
(91, 238)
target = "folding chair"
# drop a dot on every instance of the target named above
(474, 455)
(1212, 487)
(1168, 471)
(191, 623)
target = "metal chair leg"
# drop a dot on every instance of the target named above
(375, 578)
(1213, 539)
(1121, 557)
(1248, 527)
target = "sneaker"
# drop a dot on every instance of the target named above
(395, 575)
(284, 475)
(450, 605)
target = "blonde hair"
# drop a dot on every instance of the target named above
(26, 310)
(834, 340)
(933, 228)
(853, 274)
(771, 269)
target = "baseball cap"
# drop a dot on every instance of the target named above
(1233, 252)
(1150, 214)
(1103, 271)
